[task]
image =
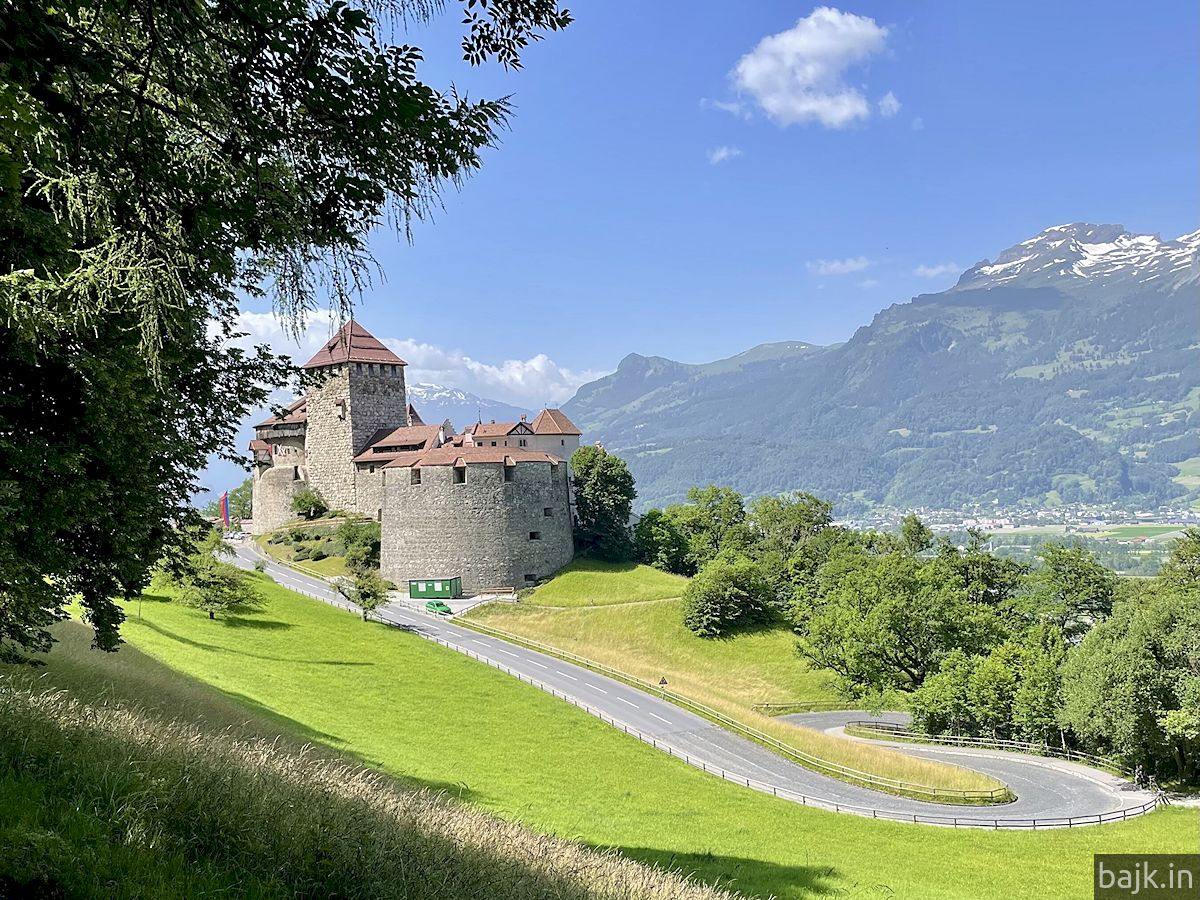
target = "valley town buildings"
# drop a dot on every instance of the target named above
(492, 504)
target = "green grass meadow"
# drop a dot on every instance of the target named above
(436, 718)
(590, 582)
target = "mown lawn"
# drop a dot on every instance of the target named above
(433, 716)
(590, 582)
(731, 674)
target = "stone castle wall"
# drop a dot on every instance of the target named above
(273, 490)
(371, 397)
(369, 491)
(479, 530)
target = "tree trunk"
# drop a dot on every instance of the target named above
(211, 614)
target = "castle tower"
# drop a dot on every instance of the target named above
(360, 391)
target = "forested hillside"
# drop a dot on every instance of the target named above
(1066, 371)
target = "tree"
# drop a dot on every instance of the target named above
(886, 621)
(604, 495)
(728, 592)
(1130, 687)
(365, 589)
(360, 543)
(781, 523)
(204, 581)
(1182, 568)
(309, 503)
(942, 704)
(1069, 590)
(713, 520)
(915, 535)
(659, 542)
(159, 161)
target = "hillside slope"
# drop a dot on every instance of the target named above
(1066, 371)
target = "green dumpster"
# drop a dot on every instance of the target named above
(439, 588)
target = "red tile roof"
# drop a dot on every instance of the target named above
(496, 429)
(353, 343)
(421, 436)
(259, 445)
(456, 456)
(553, 421)
(295, 414)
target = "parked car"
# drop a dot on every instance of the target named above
(438, 607)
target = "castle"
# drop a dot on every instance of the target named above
(491, 505)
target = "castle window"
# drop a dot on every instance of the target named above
(493, 443)
(371, 469)
(379, 515)
(358, 368)
(460, 474)
(295, 473)
(414, 476)
(508, 473)
(521, 442)
(548, 512)
(535, 535)
(563, 442)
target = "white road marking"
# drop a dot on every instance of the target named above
(565, 675)
(660, 718)
(536, 663)
(630, 702)
(595, 688)
(509, 652)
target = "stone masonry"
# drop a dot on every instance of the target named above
(482, 529)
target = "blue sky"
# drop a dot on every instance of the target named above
(862, 144)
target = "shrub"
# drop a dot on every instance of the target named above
(359, 541)
(318, 554)
(726, 593)
(260, 566)
(309, 503)
(302, 553)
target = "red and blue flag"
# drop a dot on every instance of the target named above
(225, 508)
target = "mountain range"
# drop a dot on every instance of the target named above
(1066, 370)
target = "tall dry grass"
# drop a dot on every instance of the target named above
(259, 818)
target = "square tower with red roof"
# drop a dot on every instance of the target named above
(358, 389)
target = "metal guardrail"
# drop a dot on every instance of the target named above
(808, 760)
(899, 732)
(1031, 824)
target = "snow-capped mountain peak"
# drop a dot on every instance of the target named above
(1075, 252)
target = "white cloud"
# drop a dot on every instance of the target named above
(888, 105)
(721, 154)
(798, 76)
(868, 283)
(523, 382)
(937, 270)
(838, 266)
(733, 107)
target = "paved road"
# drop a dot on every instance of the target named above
(1045, 789)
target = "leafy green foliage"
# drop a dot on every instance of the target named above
(1069, 590)
(365, 589)
(309, 503)
(204, 581)
(658, 541)
(359, 542)
(887, 620)
(159, 161)
(728, 592)
(915, 535)
(604, 494)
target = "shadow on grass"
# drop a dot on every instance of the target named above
(217, 648)
(749, 877)
(256, 624)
